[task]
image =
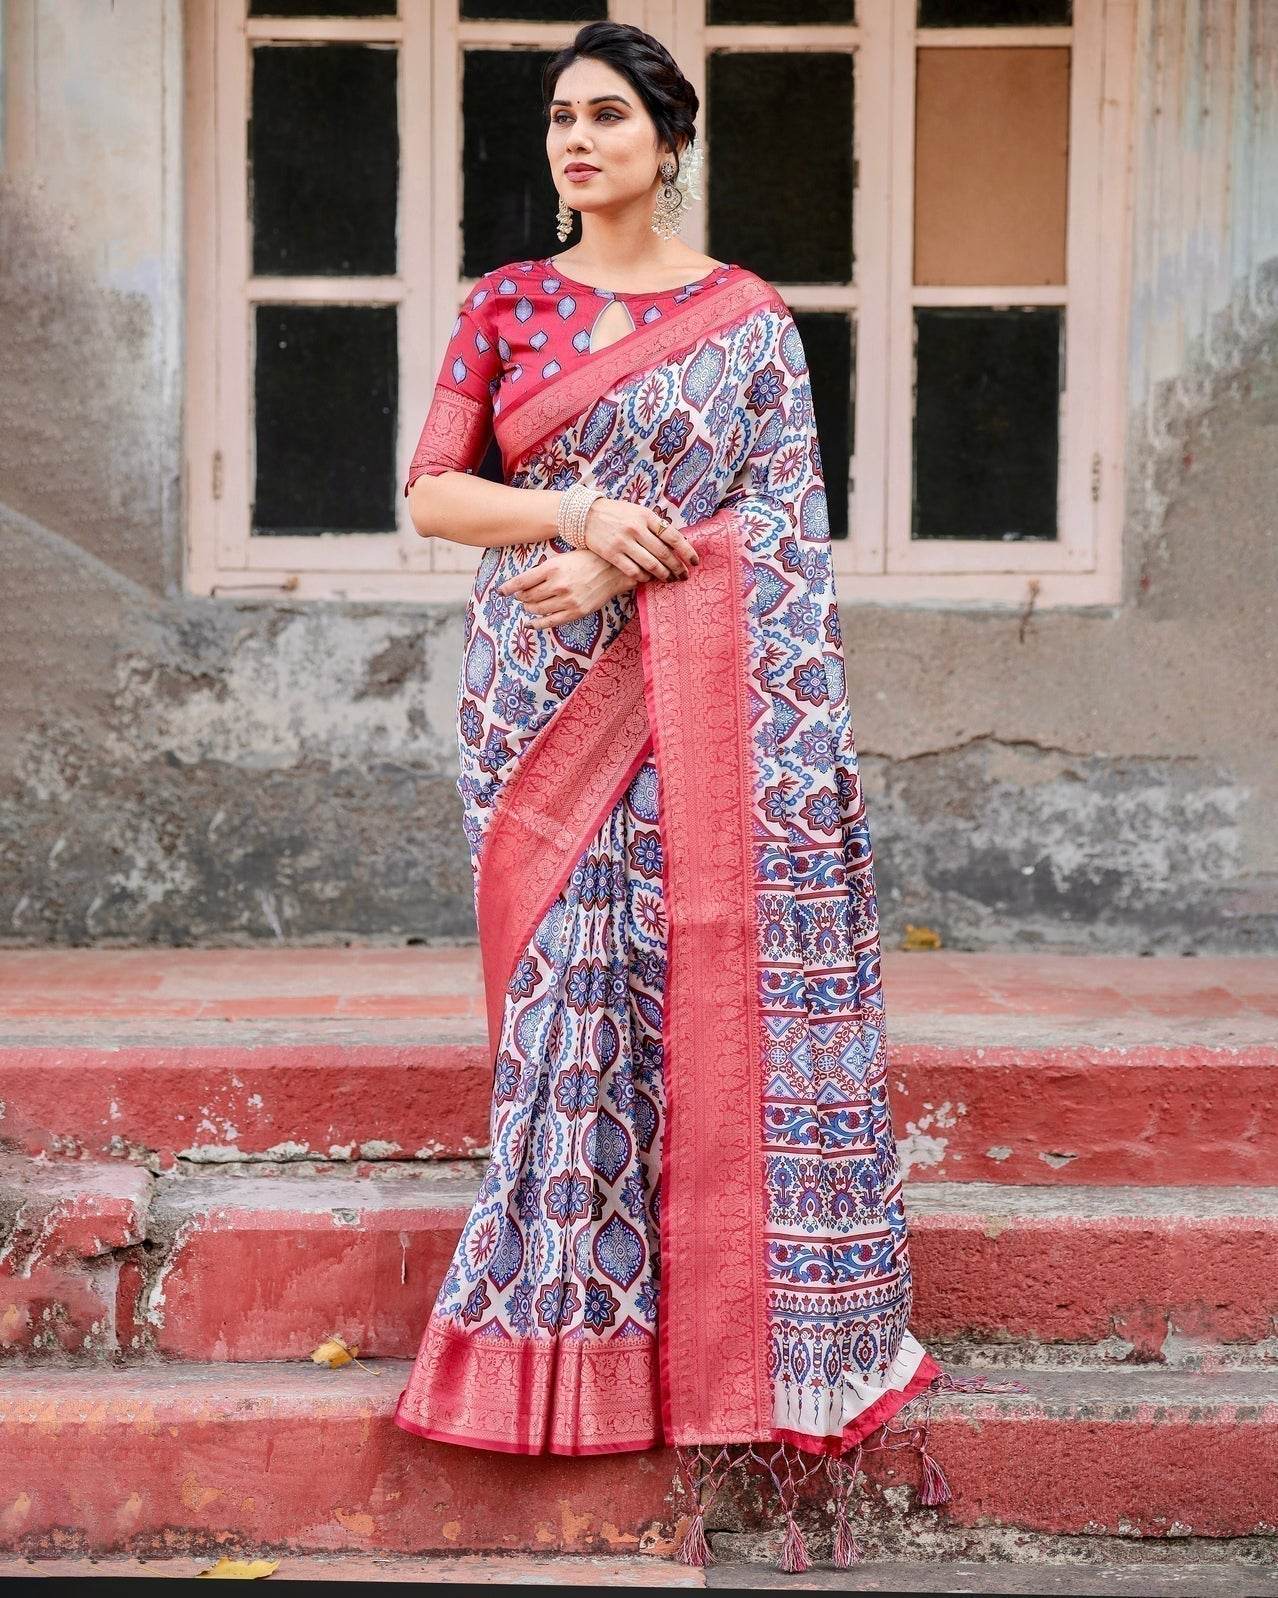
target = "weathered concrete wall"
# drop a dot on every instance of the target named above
(178, 770)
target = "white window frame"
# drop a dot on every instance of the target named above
(878, 562)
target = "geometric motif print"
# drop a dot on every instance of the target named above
(837, 1267)
(562, 1240)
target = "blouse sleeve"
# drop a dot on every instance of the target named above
(459, 423)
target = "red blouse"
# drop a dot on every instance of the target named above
(521, 325)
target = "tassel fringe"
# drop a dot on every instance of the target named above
(794, 1551)
(846, 1550)
(694, 1550)
(935, 1488)
(703, 1469)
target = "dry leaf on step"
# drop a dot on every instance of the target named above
(240, 1569)
(334, 1352)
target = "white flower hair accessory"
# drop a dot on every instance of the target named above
(690, 163)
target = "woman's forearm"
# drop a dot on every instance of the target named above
(466, 509)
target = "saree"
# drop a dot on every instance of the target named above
(690, 1231)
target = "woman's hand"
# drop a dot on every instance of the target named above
(631, 538)
(565, 587)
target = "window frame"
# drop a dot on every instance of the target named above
(878, 562)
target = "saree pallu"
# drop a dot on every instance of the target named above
(691, 1229)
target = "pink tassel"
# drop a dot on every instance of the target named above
(694, 1550)
(846, 1548)
(842, 1476)
(935, 1490)
(794, 1551)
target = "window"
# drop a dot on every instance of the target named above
(938, 191)
(945, 214)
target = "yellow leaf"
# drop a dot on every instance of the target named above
(333, 1352)
(920, 937)
(240, 1569)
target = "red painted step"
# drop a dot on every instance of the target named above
(1018, 1068)
(69, 1236)
(296, 1457)
(249, 1267)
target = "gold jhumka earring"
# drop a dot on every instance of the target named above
(669, 203)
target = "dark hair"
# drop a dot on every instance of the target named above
(643, 61)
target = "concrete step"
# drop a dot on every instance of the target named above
(1186, 1578)
(502, 1570)
(260, 1263)
(1043, 1069)
(292, 1457)
(1177, 1577)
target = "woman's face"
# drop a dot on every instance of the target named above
(598, 120)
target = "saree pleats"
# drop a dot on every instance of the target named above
(691, 1228)
(543, 1335)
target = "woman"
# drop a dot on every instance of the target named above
(691, 1229)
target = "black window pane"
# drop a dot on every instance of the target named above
(791, 219)
(323, 8)
(994, 13)
(509, 199)
(323, 144)
(829, 344)
(791, 11)
(534, 11)
(325, 402)
(986, 423)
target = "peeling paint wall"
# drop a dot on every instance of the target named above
(181, 770)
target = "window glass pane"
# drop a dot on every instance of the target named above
(509, 199)
(991, 158)
(791, 11)
(534, 11)
(323, 144)
(994, 13)
(323, 8)
(326, 398)
(986, 423)
(829, 342)
(790, 218)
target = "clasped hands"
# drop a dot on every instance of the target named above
(625, 544)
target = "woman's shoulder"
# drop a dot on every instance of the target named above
(761, 284)
(508, 277)
(499, 289)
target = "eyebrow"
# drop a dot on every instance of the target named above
(598, 100)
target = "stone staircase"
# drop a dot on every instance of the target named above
(211, 1160)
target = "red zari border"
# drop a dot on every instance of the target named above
(455, 427)
(712, 1321)
(530, 1397)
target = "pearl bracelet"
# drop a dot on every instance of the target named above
(574, 507)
